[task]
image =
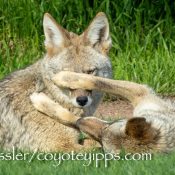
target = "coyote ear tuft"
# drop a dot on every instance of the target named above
(55, 35)
(141, 130)
(98, 31)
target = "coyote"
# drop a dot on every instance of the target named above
(21, 125)
(151, 129)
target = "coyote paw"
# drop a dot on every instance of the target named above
(40, 101)
(77, 111)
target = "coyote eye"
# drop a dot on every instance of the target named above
(92, 71)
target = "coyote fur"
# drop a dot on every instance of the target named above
(21, 125)
(152, 127)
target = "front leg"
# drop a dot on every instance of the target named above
(47, 106)
(132, 91)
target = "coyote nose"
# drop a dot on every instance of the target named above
(82, 100)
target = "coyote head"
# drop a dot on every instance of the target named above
(85, 53)
(135, 134)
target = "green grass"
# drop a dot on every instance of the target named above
(143, 34)
(158, 165)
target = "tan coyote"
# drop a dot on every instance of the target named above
(21, 125)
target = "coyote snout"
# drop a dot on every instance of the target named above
(81, 98)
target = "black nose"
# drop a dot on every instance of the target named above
(82, 100)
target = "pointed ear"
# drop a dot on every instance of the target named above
(98, 32)
(92, 126)
(55, 36)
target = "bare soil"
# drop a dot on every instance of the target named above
(115, 109)
(118, 108)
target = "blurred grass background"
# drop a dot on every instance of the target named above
(143, 33)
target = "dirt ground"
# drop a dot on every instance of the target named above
(114, 109)
(117, 108)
